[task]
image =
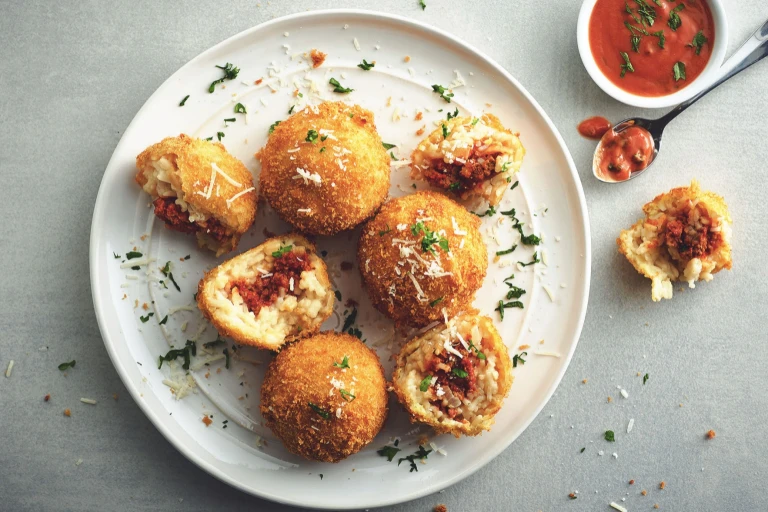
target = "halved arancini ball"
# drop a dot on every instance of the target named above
(197, 187)
(325, 397)
(469, 158)
(324, 169)
(273, 293)
(455, 376)
(422, 258)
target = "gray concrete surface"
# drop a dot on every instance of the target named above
(73, 74)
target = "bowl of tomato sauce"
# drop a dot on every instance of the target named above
(652, 53)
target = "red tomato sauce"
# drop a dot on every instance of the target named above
(654, 67)
(594, 127)
(621, 154)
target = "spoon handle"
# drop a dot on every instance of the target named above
(753, 49)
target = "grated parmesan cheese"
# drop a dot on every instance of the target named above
(547, 353)
(630, 425)
(618, 507)
(356, 43)
(89, 401)
(549, 291)
(9, 370)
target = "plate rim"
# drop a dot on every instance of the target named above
(158, 420)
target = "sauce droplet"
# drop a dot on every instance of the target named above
(594, 127)
(620, 154)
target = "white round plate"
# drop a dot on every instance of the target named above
(242, 452)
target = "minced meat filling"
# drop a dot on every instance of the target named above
(689, 242)
(264, 291)
(178, 220)
(460, 177)
(449, 370)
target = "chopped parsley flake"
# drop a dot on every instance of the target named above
(133, 254)
(181, 104)
(68, 365)
(349, 320)
(534, 260)
(230, 73)
(164, 320)
(488, 213)
(189, 349)
(627, 66)
(337, 293)
(635, 41)
(273, 126)
(145, 319)
(188, 256)
(479, 354)
(229, 120)
(678, 71)
(446, 133)
(514, 185)
(389, 452)
(458, 372)
(422, 4)
(343, 364)
(674, 21)
(444, 93)
(662, 39)
(240, 109)
(226, 358)
(366, 66)
(215, 343)
(337, 87)
(475, 121)
(388, 146)
(219, 135)
(436, 302)
(311, 137)
(645, 378)
(518, 358)
(420, 454)
(346, 395)
(425, 383)
(610, 436)
(320, 411)
(698, 42)
(453, 187)
(284, 249)
(506, 251)
(117, 256)
(455, 113)
(506, 305)
(385, 231)
(646, 12)
(392, 156)
(166, 270)
(430, 238)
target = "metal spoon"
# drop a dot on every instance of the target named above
(754, 49)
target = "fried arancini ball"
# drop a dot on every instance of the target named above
(324, 169)
(685, 236)
(455, 376)
(325, 396)
(273, 293)
(197, 187)
(422, 257)
(469, 158)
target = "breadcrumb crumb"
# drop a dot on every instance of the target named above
(662, 485)
(711, 434)
(207, 420)
(67, 413)
(644, 492)
(440, 508)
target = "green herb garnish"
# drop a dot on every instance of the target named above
(226, 358)
(678, 71)
(392, 156)
(240, 109)
(534, 260)
(117, 256)
(346, 395)
(444, 93)
(645, 378)
(479, 354)
(214, 343)
(349, 320)
(518, 358)
(698, 42)
(662, 39)
(164, 320)
(627, 66)
(319, 410)
(166, 270)
(446, 133)
(458, 372)
(506, 305)
(273, 126)
(385, 231)
(145, 319)
(507, 251)
(514, 185)
(453, 187)
(230, 73)
(344, 362)
(488, 213)
(337, 293)
(646, 12)
(133, 254)
(181, 104)
(337, 87)
(388, 146)
(425, 383)
(635, 42)
(674, 21)
(189, 349)
(229, 120)
(66, 366)
(311, 137)
(430, 238)
(610, 436)
(422, 4)
(366, 66)
(420, 454)
(219, 135)
(282, 251)
(436, 302)
(450, 116)
(514, 292)
(389, 452)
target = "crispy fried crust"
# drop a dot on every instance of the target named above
(645, 244)
(304, 373)
(346, 196)
(411, 397)
(380, 257)
(267, 331)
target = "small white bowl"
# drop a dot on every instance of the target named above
(706, 77)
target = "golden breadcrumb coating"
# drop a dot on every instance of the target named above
(300, 305)
(469, 159)
(324, 169)
(422, 257)
(452, 394)
(685, 236)
(183, 168)
(316, 407)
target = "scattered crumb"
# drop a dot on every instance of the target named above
(115, 396)
(143, 237)
(711, 434)
(572, 496)
(632, 482)
(47, 397)
(523, 347)
(389, 101)
(440, 508)
(610, 399)
(584, 381)
(639, 374)
(643, 492)
(407, 58)
(257, 82)
(541, 342)
(662, 485)
(207, 421)
(145, 306)
(419, 115)
(421, 130)
(657, 505)
(67, 413)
